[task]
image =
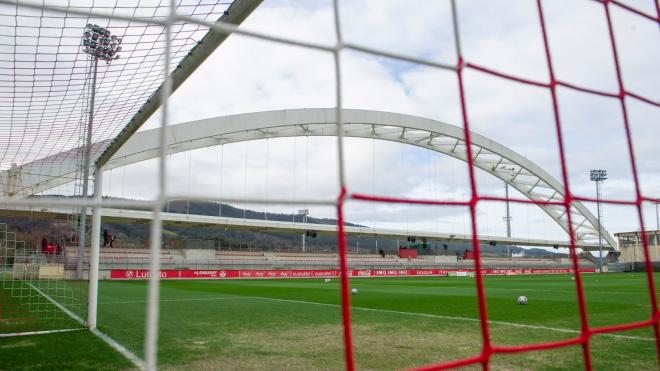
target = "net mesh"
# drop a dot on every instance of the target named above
(33, 289)
(489, 348)
(152, 76)
(44, 84)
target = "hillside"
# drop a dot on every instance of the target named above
(137, 235)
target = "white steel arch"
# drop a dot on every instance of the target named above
(490, 156)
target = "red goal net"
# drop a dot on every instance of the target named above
(42, 132)
(622, 95)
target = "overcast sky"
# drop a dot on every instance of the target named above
(248, 75)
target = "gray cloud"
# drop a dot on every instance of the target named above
(247, 75)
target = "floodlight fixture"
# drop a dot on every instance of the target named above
(598, 175)
(100, 44)
(303, 214)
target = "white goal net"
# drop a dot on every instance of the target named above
(78, 80)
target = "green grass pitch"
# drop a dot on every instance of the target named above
(397, 323)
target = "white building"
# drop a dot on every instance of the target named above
(632, 249)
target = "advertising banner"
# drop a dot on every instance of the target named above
(142, 274)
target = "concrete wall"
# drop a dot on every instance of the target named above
(198, 254)
(635, 253)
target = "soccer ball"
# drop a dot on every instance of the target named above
(354, 291)
(522, 300)
(327, 280)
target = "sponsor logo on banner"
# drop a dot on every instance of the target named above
(202, 274)
(141, 274)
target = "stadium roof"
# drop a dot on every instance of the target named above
(44, 74)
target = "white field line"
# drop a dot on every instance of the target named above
(523, 290)
(139, 363)
(568, 290)
(179, 300)
(29, 333)
(60, 306)
(111, 342)
(503, 323)
(426, 315)
(586, 291)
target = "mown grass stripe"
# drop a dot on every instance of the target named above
(426, 315)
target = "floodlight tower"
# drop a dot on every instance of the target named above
(99, 44)
(599, 176)
(303, 214)
(507, 217)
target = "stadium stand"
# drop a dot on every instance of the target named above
(136, 258)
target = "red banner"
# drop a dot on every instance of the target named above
(407, 253)
(141, 274)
